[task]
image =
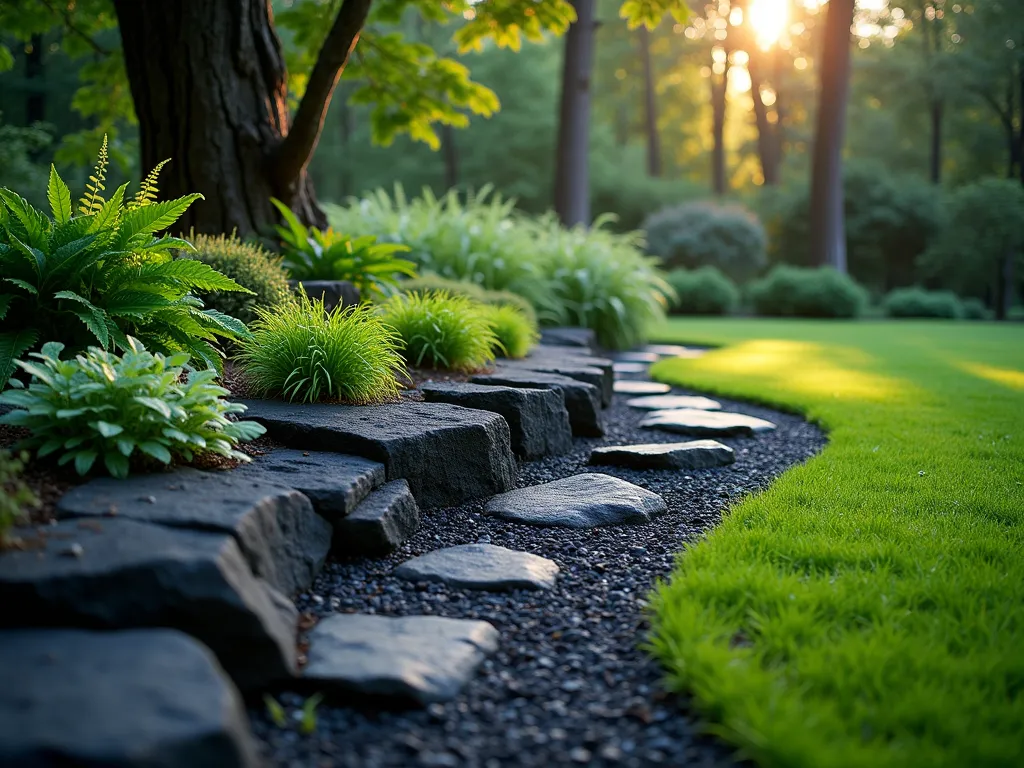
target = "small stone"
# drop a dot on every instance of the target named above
(636, 357)
(668, 402)
(696, 454)
(481, 566)
(627, 387)
(631, 368)
(382, 523)
(580, 755)
(667, 350)
(693, 422)
(75, 550)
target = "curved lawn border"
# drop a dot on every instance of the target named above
(868, 608)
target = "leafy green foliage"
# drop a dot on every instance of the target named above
(917, 302)
(801, 292)
(432, 282)
(302, 353)
(249, 265)
(514, 332)
(15, 496)
(103, 274)
(975, 309)
(704, 291)
(18, 146)
(99, 407)
(313, 254)
(440, 330)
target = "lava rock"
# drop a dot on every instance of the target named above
(378, 526)
(132, 699)
(537, 419)
(424, 659)
(335, 293)
(626, 387)
(569, 337)
(409, 438)
(670, 402)
(601, 378)
(697, 454)
(131, 575)
(481, 566)
(578, 501)
(284, 540)
(706, 423)
(582, 400)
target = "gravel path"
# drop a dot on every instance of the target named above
(569, 685)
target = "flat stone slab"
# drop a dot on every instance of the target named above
(636, 357)
(133, 699)
(697, 454)
(685, 421)
(538, 421)
(601, 378)
(481, 566)
(578, 501)
(121, 574)
(334, 482)
(669, 402)
(447, 453)
(582, 400)
(283, 539)
(667, 350)
(627, 387)
(382, 523)
(422, 659)
(569, 337)
(631, 368)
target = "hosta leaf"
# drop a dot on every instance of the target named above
(107, 429)
(84, 461)
(156, 450)
(154, 403)
(12, 345)
(125, 445)
(117, 464)
(154, 217)
(59, 195)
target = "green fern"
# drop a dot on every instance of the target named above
(92, 201)
(148, 191)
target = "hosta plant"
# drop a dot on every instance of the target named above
(101, 273)
(99, 408)
(514, 332)
(440, 330)
(314, 254)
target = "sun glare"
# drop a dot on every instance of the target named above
(769, 19)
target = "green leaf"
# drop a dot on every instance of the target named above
(32, 220)
(154, 403)
(117, 465)
(298, 234)
(107, 429)
(12, 345)
(5, 303)
(156, 450)
(154, 217)
(59, 195)
(93, 317)
(84, 461)
(192, 274)
(109, 213)
(22, 284)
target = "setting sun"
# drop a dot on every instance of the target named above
(769, 19)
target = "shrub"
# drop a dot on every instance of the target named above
(250, 266)
(700, 234)
(15, 496)
(103, 274)
(440, 330)
(515, 334)
(917, 302)
(313, 254)
(975, 309)
(300, 352)
(800, 292)
(98, 406)
(704, 291)
(432, 282)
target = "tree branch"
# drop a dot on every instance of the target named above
(66, 16)
(297, 147)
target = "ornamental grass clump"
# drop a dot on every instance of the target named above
(515, 333)
(99, 407)
(440, 330)
(302, 353)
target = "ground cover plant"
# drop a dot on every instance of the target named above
(101, 407)
(917, 302)
(301, 352)
(704, 291)
(804, 292)
(433, 282)
(868, 608)
(439, 330)
(514, 334)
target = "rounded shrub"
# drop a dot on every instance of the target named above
(434, 282)
(704, 291)
(250, 266)
(975, 309)
(300, 352)
(801, 292)
(441, 330)
(706, 233)
(515, 333)
(917, 302)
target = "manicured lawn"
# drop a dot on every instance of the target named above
(867, 609)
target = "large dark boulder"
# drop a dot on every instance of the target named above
(335, 293)
(572, 368)
(569, 337)
(382, 523)
(582, 400)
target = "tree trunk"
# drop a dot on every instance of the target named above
(766, 140)
(828, 236)
(35, 101)
(208, 80)
(719, 86)
(572, 172)
(650, 105)
(936, 149)
(451, 157)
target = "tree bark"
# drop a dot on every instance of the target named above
(572, 171)
(935, 159)
(650, 105)
(766, 139)
(35, 101)
(719, 86)
(827, 224)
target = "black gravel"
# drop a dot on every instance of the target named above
(569, 684)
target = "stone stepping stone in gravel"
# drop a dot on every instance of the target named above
(667, 350)
(630, 369)
(381, 524)
(636, 357)
(422, 659)
(538, 422)
(408, 438)
(481, 566)
(686, 421)
(627, 387)
(579, 501)
(283, 539)
(139, 698)
(602, 378)
(697, 454)
(669, 402)
(582, 400)
(120, 574)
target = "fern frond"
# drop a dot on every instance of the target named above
(92, 201)
(148, 191)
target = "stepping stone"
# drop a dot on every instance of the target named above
(407, 438)
(641, 387)
(686, 421)
(283, 539)
(698, 454)
(578, 501)
(333, 482)
(631, 368)
(582, 400)
(422, 659)
(667, 350)
(133, 699)
(669, 402)
(538, 422)
(636, 357)
(481, 566)
(382, 523)
(572, 368)
(120, 574)
(569, 337)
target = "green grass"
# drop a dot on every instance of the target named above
(868, 608)
(514, 333)
(441, 330)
